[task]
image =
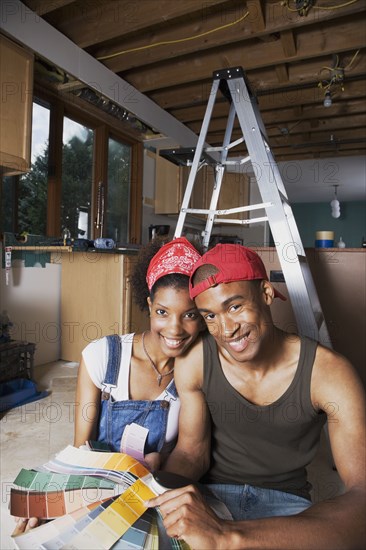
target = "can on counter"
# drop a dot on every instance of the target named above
(324, 239)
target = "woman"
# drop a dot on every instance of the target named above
(129, 381)
(142, 392)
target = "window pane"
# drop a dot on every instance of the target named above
(119, 177)
(77, 166)
(24, 202)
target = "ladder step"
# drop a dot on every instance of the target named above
(183, 156)
(227, 211)
(241, 222)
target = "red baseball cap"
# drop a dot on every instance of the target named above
(234, 262)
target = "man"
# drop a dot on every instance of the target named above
(254, 400)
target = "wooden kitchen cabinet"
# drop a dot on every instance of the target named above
(96, 300)
(171, 181)
(16, 75)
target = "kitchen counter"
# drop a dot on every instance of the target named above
(69, 249)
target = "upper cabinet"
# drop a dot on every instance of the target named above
(16, 73)
(171, 181)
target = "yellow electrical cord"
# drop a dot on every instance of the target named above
(167, 42)
(286, 3)
(351, 62)
(179, 40)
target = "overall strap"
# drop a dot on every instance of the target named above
(113, 365)
(171, 391)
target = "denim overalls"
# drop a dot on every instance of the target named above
(115, 415)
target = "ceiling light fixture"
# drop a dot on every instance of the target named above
(327, 99)
(335, 205)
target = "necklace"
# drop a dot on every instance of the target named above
(153, 366)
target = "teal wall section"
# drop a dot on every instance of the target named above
(316, 216)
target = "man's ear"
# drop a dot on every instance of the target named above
(267, 292)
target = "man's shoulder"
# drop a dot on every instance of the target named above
(332, 373)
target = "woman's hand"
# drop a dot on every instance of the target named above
(24, 525)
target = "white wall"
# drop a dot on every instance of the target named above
(32, 300)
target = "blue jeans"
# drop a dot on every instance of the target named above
(248, 502)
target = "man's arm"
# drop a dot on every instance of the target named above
(191, 456)
(87, 403)
(337, 523)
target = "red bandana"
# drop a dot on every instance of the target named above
(177, 256)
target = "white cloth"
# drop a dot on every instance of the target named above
(95, 356)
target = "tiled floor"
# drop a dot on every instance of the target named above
(30, 435)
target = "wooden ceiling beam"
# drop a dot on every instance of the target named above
(275, 138)
(278, 101)
(88, 22)
(256, 16)
(304, 73)
(311, 43)
(286, 118)
(42, 7)
(288, 43)
(282, 73)
(277, 17)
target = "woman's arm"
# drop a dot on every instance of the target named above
(87, 403)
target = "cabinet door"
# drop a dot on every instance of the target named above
(168, 190)
(16, 75)
(234, 193)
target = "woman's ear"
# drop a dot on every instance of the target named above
(267, 292)
(149, 303)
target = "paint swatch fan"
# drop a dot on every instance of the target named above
(93, 500)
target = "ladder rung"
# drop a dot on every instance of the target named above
(221, 147)
(228, 210)
(241, 222)
(239, 162)
(248, 208)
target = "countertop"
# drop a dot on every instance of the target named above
(69, 249)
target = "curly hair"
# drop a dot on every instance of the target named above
(138, 278)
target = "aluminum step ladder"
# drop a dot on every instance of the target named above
(303, 295)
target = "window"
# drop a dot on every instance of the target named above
(119, 176)
(73, 152)
(77, 177)
(24, 203)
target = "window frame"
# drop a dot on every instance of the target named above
(104, 127)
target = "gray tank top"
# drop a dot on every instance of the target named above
(265, 446)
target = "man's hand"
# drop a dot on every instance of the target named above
(186, 516)
(153, 461)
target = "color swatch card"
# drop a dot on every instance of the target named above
(133, 441)
(91, 511)
(44, 481)
(52, 504)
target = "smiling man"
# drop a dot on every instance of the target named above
(254, 400)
